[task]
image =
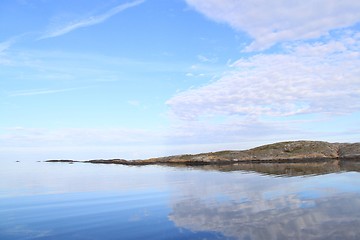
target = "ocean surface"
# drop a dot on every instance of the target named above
(41, 200)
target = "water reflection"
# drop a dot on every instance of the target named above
(288, 217)
(315, 207)
(289, 169)
(249, 201)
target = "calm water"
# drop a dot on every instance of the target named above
(84, 201)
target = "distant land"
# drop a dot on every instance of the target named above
(282, 152)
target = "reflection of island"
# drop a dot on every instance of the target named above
(271, 208)
(289, 169)
(284, 152)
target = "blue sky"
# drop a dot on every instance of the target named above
(135, 79)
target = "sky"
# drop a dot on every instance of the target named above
(135, 79)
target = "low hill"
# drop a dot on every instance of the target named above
(293, 151)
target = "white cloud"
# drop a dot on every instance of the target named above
(269, 22)
(321, 77)
(90, 20)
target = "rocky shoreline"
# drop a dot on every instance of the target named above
(283, 152)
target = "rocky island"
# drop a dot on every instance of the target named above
(282, 152)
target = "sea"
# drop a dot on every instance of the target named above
(40, 200)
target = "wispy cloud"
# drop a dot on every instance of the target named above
(286, 21)
(5, 45)
(93, 20)
(33, 92)
(206, 59)
(82, 136)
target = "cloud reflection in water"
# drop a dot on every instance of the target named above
(272, 208)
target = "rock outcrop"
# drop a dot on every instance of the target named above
(349, 150)
(283, 152)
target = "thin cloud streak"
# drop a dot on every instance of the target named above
(40, 92)
(5, 45)
(93, 20)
